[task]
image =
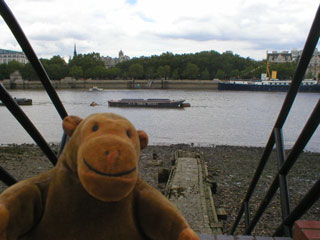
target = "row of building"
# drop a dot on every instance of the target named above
(294, 56)
(274, 57)
(7, 56)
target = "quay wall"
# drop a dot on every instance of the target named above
(70, 83)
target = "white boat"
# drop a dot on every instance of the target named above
(95, 88)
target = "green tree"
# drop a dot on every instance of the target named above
(175, 74)
(191, 71)
(150, 73)
(285, 70)
(14, 66)
(113, 73)
(163, 72)
(76, 72)
(136, 71)
(220, 74)
(58, 61)
(97, 72)
(4, 73)
(235, 73)
(211, 61)
(205, 75)
(86, 62)
(28, 72)
(56, 67)
(166, 69)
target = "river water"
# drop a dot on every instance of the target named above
(214, 118)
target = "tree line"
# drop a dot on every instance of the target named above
(204, 65)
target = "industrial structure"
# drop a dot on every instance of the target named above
(294, 56)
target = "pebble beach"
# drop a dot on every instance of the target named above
(231, 167)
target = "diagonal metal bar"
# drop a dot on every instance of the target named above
(304, 61)
(264, 204)
(310, 127)
(254, 181)
(15, 28)
(306, 56)
(308, 200)
(6, 177)
(307, 132)
(34, 61)
(26, 123)
(284, 192)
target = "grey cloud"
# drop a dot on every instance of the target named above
(45, 37)
(195, 36)
(256, 43)
(58, 36)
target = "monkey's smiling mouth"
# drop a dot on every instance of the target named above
(108, 174)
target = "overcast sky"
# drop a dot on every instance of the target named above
(150, 27)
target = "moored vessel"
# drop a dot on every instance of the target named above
(273, 85)
(95, 88)
(151, 102)
(20, 101)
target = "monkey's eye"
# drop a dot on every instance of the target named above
(129, 133)
(95, 128)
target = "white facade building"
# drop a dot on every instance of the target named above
(7, 56)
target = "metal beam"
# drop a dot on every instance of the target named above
(284, 193)
(306, 56)
(33, 59)
(26, 123)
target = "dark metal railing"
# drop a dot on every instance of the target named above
(17, 112)
(15, 28)
(9, 102)
(285, 166)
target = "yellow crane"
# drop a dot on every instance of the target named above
(273, 74)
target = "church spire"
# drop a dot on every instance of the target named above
(75, 51)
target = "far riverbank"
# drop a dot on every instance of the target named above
(70, 83)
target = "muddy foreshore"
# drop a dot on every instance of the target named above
(231, 167)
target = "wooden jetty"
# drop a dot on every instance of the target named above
(187, 188)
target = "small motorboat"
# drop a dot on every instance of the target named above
(20, 101)
(95, 88)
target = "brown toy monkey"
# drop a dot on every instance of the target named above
(94, 192)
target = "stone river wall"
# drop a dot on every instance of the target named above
(70, 83)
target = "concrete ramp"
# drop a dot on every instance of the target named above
(189, 191)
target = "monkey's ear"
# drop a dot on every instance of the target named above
(143, 139)
(70, 123)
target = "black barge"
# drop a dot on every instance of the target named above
(150, 102)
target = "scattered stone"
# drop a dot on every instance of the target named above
(227, 165)
(152, 163)
(222, 215)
